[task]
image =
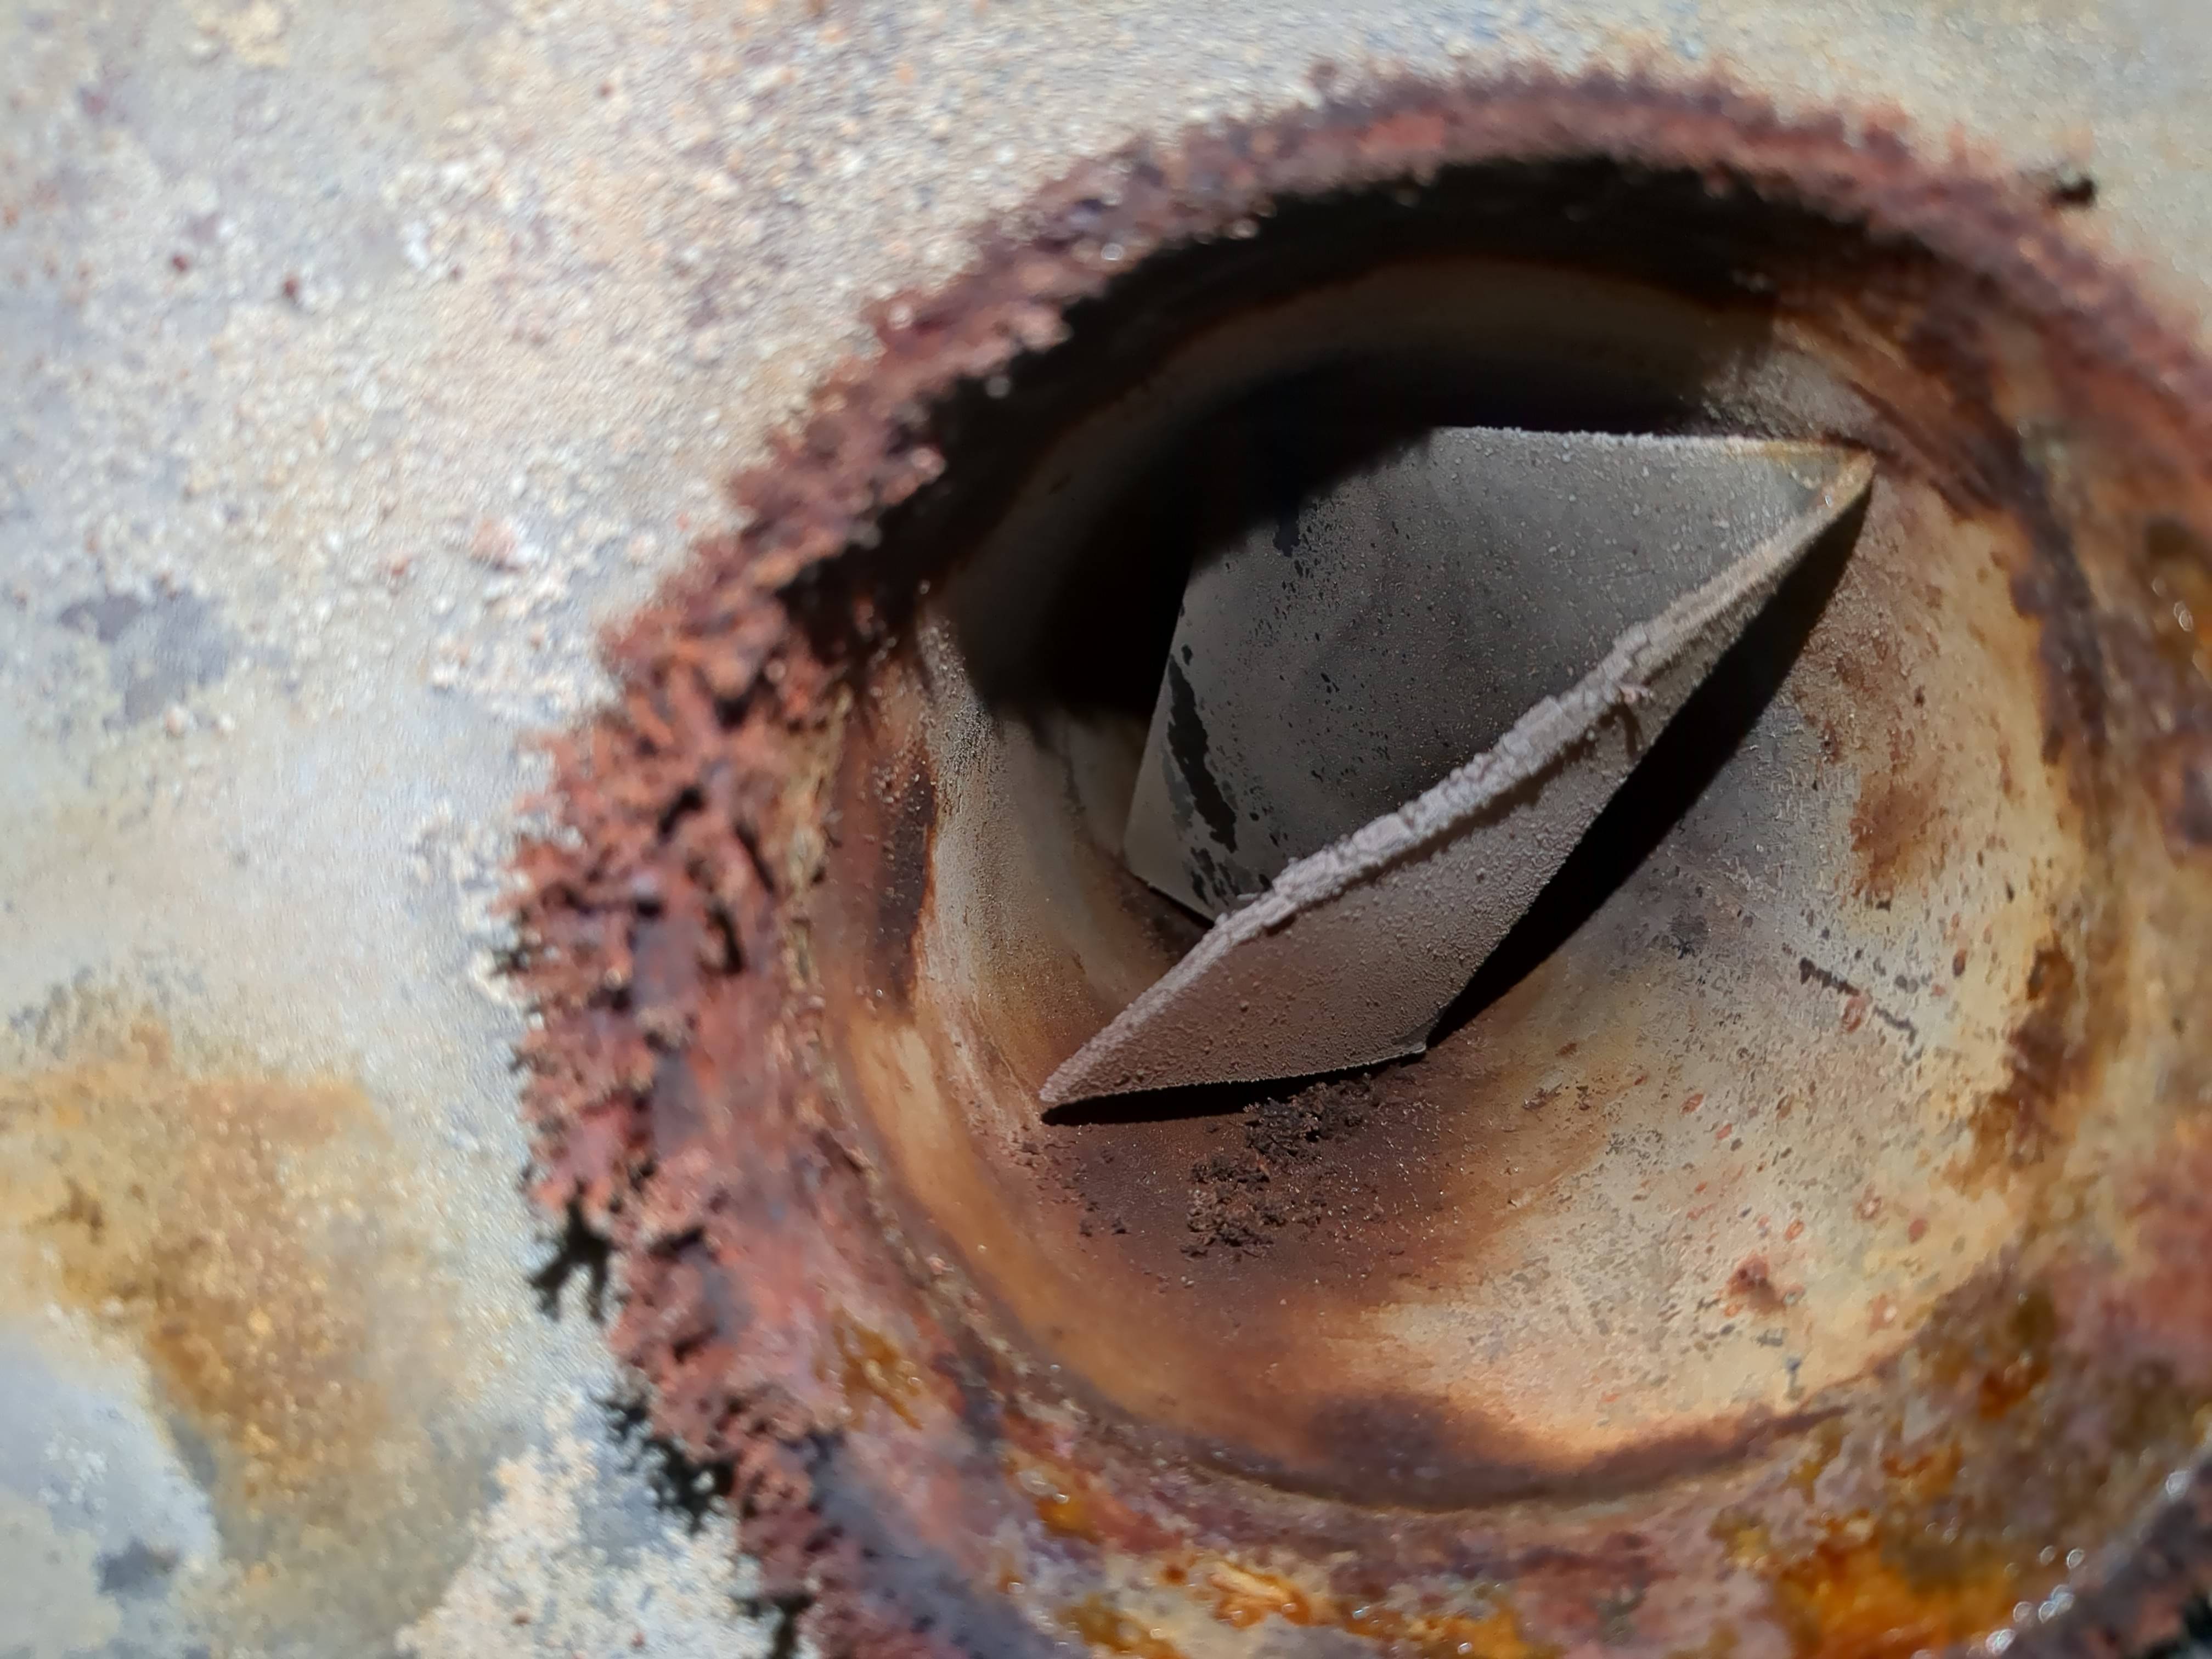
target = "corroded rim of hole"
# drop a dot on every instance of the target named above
(655, 928)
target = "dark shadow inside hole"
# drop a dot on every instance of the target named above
(1676, 770)
(1106, 629)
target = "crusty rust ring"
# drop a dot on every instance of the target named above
(917, 1475)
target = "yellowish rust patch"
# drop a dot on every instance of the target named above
(871, 1367)
(1848, 1596)
(245, 1236)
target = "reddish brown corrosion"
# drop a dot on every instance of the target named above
(886, 1452)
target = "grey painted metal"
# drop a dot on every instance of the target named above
(1344, 657)
(1355, 949)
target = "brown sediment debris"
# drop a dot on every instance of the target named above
(1285, 1174)
(671, 1079)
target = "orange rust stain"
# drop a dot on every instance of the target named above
(1846, 1598)
(1721, 1644)
(161, 1205)
(242, 1234)
(870, 1366)
(2179, 565)
(1240, 1597)
(1063, 1503)
(1109, 1630)
(2006, 1361)
(1897, 821)
(2012, 1375)
(1922, 1478)
(1493, 1635)
(1753, 1283)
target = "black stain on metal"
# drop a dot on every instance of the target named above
(1187, 742)
(680, 1484)
(135, 1568)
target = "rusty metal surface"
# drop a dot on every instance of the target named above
(358, 366)
(1361, 941)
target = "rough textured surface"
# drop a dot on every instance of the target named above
(361, 364)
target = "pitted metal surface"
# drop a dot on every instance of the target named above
(359, 365)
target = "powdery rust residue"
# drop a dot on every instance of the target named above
(1070, 1501)
(234, 1230)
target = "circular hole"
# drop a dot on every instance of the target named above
(1620, 1215)
(1800, 1195)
